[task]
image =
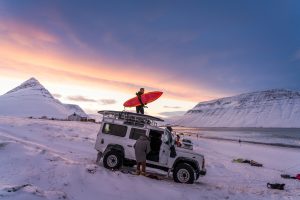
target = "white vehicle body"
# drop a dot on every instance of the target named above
(119, 132)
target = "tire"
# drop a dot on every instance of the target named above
(184, 173)
(113, 160)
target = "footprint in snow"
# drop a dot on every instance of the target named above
(91, 168)
(54, 159)
(28, 188)
(3, 145)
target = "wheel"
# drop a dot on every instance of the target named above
(184, 173)
(112, 160)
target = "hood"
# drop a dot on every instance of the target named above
(179, 149)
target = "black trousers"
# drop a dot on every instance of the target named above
(140, 109)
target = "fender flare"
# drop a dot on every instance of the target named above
(115, 147)
(189, 161)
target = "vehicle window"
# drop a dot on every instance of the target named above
(135, 133)
(155, 132)
(114, 129)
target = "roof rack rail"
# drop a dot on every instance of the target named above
(130, 118)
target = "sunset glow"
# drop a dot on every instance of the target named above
(107, 64)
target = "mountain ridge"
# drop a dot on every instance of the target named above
(268, 108)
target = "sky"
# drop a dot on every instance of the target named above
(97, 54)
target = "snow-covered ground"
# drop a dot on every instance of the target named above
(42, 159)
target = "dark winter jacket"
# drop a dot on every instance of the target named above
(142, 148)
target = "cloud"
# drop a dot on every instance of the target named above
(107, 101)
(52, 74)
(45, 55)
(81, 98)
(172, 114)
(173, 107)
(26, 35)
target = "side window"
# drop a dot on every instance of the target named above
(135, 133)
(114, 129)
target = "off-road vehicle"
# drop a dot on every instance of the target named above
(119, 132)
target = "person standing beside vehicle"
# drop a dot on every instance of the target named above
(142, 148)
(177, 142)
(140, 108)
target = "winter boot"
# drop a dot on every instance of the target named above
(138, 172)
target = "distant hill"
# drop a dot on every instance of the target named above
(31, 98)
(271, 108)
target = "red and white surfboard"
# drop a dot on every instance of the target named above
(146, 98)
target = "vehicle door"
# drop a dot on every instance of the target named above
(113, 134)
(134, 134)
(165, 147)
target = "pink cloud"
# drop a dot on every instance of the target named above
(25, 34)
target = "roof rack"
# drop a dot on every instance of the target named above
(130, 118)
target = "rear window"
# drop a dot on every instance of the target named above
(135, 133)
(114, 129)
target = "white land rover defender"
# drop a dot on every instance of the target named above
(119, 132)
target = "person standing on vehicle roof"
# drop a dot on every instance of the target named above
(140, 108)
(142, 148)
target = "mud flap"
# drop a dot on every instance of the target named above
(99, 156)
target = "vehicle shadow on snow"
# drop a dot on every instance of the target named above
(153, 174)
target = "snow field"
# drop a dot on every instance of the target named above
(43, 159)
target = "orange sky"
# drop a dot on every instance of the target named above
(27, 51)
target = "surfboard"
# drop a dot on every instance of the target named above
(146, 98)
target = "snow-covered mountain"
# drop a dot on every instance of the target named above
(32, 99)
(73, 108)
(271, 108)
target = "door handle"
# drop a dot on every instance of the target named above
(129, 145)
